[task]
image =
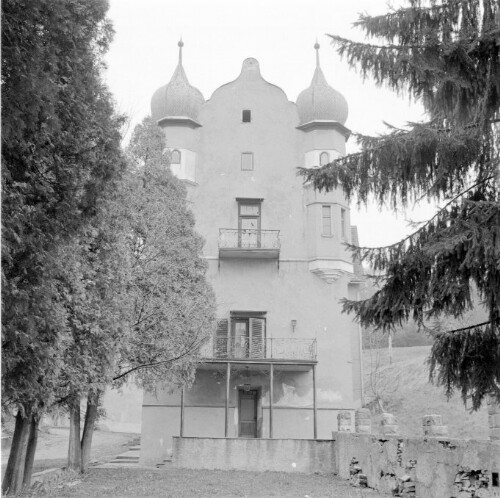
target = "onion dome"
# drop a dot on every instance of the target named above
(320, 102)
(177, 99)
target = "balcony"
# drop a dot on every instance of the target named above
(249, 243)
(266, 349)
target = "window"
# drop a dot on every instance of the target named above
(324, 158)
(326, 217)
(175, 157)
(246, 116)
(249, 223)
(241, 336)
(343, 223)
(247, 161)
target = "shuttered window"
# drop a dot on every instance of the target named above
(221, 338)
(241, 337)
(257, 336)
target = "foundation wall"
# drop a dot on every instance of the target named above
(433, 467)
(260, 455)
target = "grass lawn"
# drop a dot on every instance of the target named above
(409, 395)
(181, 483)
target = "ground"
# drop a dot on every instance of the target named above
(52, 447)
(171, 482)
(407, 393)
(181, 483)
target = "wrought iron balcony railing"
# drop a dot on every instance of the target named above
(271, 348)
(234, 238)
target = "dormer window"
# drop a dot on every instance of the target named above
(324, 158)
(175, 157)
(246, 116)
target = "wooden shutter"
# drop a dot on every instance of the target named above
(257, 337)
(221, 338)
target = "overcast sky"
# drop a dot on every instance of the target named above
(219, 34)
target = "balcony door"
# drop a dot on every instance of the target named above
(249, 223)
(240, 337)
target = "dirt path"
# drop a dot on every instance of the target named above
(52, 447)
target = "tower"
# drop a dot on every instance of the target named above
(283, 360)
(175, 108)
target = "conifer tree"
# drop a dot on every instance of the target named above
(446, 54)
(60, 156)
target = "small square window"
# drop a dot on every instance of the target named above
(246, 116)
(247, 161)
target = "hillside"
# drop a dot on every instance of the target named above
(406, 392)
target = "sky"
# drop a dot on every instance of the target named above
(219, 34)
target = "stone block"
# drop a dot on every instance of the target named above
(344, 421)
(429, 420)
(495, 434)
(494, 420)
(436, 431)
(388, 429)
(388, 419)
(363, 421)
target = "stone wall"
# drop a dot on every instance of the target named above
(420, 467)
(284, 455)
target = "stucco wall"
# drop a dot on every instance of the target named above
(285, 455)
(432, 464)
(285, 290)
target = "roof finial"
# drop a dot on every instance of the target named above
(180, 44)
(316, 47)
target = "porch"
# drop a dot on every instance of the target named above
(248, 398)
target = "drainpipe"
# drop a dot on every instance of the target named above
(361, 372)
(271, 397)
(315, 408)
(182, 412)
(226, 422)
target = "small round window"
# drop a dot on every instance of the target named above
(324, 158)
(175, 157)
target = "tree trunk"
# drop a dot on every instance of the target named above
(30, 450)
(88, 428)
(14, 473)
(74, 451)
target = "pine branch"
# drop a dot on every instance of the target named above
(402, 243)
(468, 359)
(363, 45)
(469, 328)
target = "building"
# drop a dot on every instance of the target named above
(284, 359)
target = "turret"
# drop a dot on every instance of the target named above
(175, 108)
(322, 113)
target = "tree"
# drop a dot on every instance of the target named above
(173, 306)
(60, 154)
(137, 298)
(97, 299)
(446, 55)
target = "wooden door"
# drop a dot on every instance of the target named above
(247, 423)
